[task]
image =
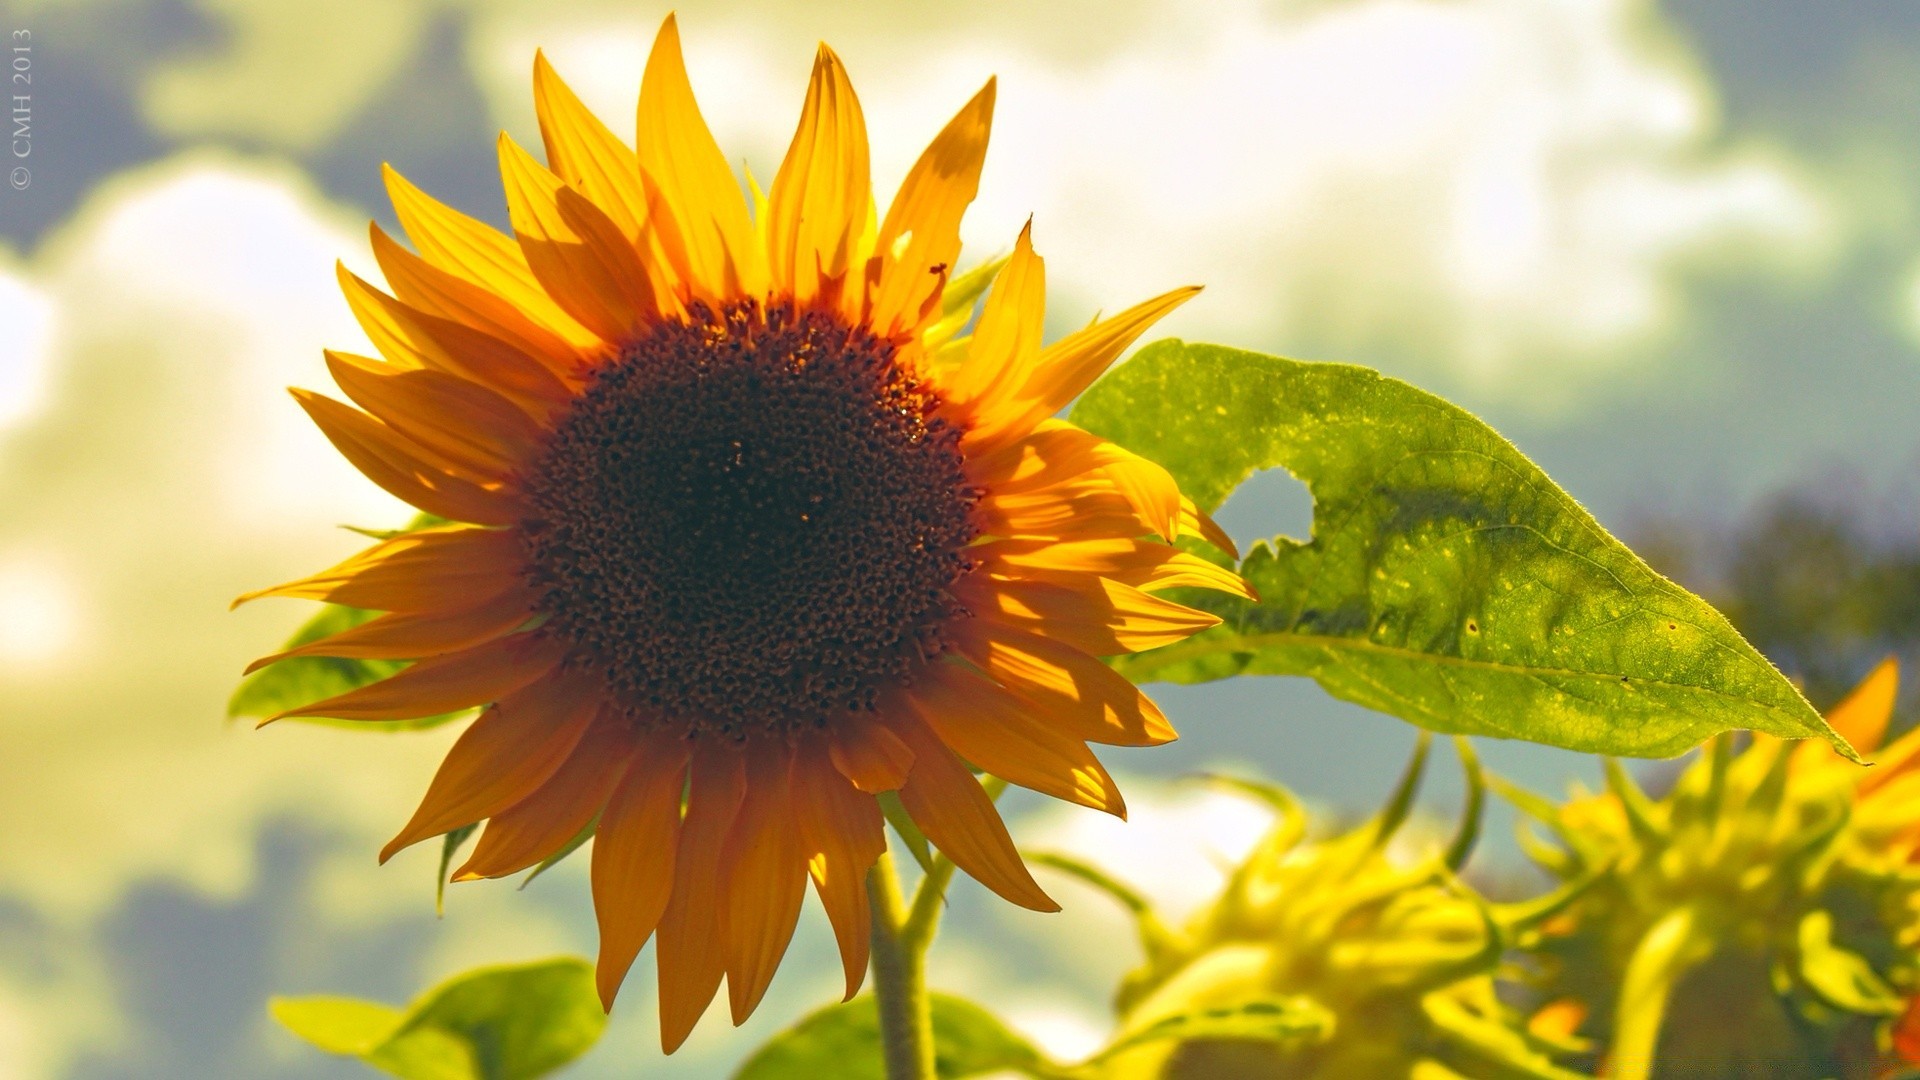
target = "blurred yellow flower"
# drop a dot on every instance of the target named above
(741, 531)
(1386, 957)
(1760, 920)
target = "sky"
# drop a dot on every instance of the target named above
(1671, 250)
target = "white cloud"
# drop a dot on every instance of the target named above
(26, 348)
(166, 472)
(1503, 187)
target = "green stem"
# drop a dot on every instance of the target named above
(1673, 947)
(900, 977)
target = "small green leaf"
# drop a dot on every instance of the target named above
(1280, 1019)
(337, 1025)
(1448, 582)
(843, 1042)
(303, 680)
(513, 1022)
(449, 847)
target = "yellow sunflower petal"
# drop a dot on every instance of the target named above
(554, 813)
(503, 756)
(842, 834)
(869, 754)
(1144, 564)
(444, 684)
(697, 191)
(636, 855)
(411, 338)
(691, 951)
(1102, 617)
(821, 193)
(462, 421)
(1021, 398)
(920, 238)
(1862, 716)
(413, 636)
(480, 255)
(404, 468)
(1057, 454)
(947, 803)
(766, 879)
(1006, 341)
(1078, 694)
(578, 252)
(421, 285)
(417, 571)
(987, 725)
(582, 152)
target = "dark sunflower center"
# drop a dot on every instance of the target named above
(751, 521)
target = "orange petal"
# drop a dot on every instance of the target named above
(1862, 716)
(766, 878)
(947, 803)
(1054, 452)
(422, 570)
(582, 152)
(821, 193)
(406, 469)
(504, 755)
(554, 813)
(410, 338)
(634, 856)
(1144, 564)
(842, 833)
(868, 754)
(1078, 694)
(414, 635)
(999, 732)
(1023, 398)
(697, 192)
(462, 421)
(1006, 341)
(1104, 618)
(444, 684)
(478, 254)
(691, 952)
(926, 214)
(586, 263)
(421, 285)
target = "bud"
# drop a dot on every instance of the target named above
(1759, 921)
(1384, 962)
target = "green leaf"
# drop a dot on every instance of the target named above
(449, 847)
(513, 1022)
(843, 1042)
(1448, 582)
(338, 1025)
(1280, 1019)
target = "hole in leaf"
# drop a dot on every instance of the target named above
(1270, 503)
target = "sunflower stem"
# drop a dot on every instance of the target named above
(900, 978)
(929, 898)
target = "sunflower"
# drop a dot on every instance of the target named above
(1762, 919)
(741, 533)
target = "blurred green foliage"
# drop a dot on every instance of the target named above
(513, 1022)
